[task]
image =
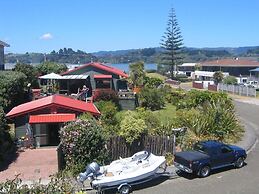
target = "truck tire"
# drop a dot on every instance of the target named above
(124, 189)
(239, 162)
(204, 171)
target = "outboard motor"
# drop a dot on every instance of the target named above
(91, 170)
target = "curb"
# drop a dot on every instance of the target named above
(250, 139)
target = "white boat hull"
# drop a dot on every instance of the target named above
(128, 170)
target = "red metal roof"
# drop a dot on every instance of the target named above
(56, 100)
(52, 118)
(101, 76)
(231, 63)
(102, 67)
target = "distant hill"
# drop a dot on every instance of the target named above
(65, 55)
(148, 55)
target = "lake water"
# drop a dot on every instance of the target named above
(122, 66)
(125, 67)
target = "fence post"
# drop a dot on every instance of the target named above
(60, 157)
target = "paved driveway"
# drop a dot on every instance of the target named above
(32, 165)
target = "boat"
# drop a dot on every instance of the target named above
(124, 172)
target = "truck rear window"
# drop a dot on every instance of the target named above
(201, 148)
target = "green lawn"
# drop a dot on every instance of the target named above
(166, 114)
(156, 75)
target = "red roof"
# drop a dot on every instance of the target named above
(231, 63)
(100, 66)
(52, 118)
(56, 100)
(101, 76)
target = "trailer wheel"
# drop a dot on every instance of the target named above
(124, 189)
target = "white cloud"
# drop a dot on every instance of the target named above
(46, 36)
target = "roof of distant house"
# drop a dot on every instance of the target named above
(188, 64)
(236, 62)
(100, 66)
(58, 100)
(4, 44)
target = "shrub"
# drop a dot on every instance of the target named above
(132, 127)
(195, 98)
(58, 184)
(108, 118)
(213, 120)
(150, 119)
(107, 95)
(150, 82)
(152, 98)
(176, 96)
(181, 78)
(82, 142)
(151, 70)
(230, 80)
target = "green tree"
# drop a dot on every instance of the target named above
(12, 89)
(172, 43)
(218, 77)
(230, 80)
(132, 127)
(49, 67)
(137, 73)
(6, 143)
(29, 71)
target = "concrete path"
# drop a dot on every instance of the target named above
(32, 164)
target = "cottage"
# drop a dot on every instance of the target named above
(95, 76)
(2, 45)
(44, 117)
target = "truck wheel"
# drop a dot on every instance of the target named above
(204, 171)
(239, 162)
(124, 189)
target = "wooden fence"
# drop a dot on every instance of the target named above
(158, 145)
(117, 147)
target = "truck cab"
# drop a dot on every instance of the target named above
(209, 155)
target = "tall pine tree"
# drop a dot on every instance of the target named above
(172, 42)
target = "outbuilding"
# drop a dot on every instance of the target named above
(44, 117)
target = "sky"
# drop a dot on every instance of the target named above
(97, 25)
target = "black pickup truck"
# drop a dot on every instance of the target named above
(209, 155)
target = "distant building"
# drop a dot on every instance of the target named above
(188, 68)
(2, 45)
(235, 67)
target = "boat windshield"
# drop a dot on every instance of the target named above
(139, 156)
(200, 148)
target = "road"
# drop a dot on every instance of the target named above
(229, 181)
